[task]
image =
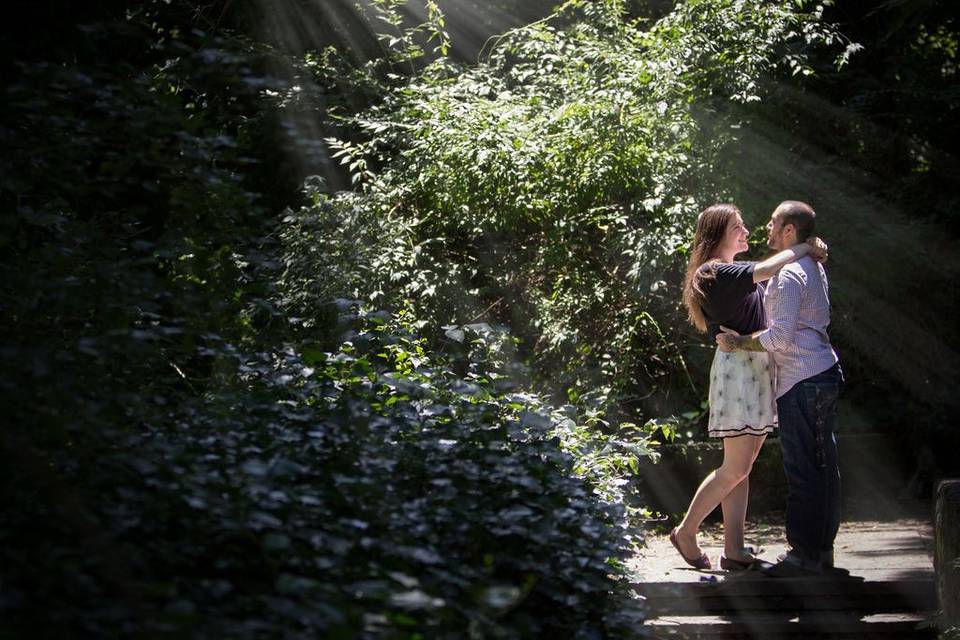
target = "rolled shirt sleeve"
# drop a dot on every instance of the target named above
(783, 310)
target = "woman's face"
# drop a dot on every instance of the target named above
(735, 236)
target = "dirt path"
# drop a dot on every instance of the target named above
(899, 549)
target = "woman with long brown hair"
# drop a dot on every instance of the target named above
(719, 291)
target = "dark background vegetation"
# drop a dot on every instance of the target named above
(192, 444)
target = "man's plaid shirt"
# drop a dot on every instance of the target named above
(798, 312)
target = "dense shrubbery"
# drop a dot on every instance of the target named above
(364, 489)
(553, 186)
(187, 454)
(232, 423)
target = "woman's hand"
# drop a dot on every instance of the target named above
(818, 249)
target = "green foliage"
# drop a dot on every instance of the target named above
(361, 490)
(318, 264)
(553, 187)
(126, 209)
(403, 43)
(200, 443)
(213, 436)
(910, 67)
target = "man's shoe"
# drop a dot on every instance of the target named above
(790, 566)
(826, 559)
(788, 570)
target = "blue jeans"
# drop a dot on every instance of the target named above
(806, 415)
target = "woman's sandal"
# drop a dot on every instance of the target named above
(732, 564)
(703, 562)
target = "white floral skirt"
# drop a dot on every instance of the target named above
(743, 399)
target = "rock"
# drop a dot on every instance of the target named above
(947, 554)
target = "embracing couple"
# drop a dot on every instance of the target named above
(774, 367)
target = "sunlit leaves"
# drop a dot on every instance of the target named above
(561, 176)
(402, 42)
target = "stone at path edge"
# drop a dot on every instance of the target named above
(947, 554)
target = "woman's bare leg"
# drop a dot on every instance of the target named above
(734, 518)
(735, 510)
(738, 456)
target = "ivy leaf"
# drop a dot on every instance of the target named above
(415, 600)
(454, 333)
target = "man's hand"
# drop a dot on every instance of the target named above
(727, 339)
(819, 250)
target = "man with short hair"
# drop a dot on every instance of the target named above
(809, 380)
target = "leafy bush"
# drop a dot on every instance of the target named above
(362, 491)
(198, 459)
(553, 187)
(201, 443)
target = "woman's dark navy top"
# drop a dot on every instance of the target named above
(732, 298)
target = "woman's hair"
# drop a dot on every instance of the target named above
(711, 227)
